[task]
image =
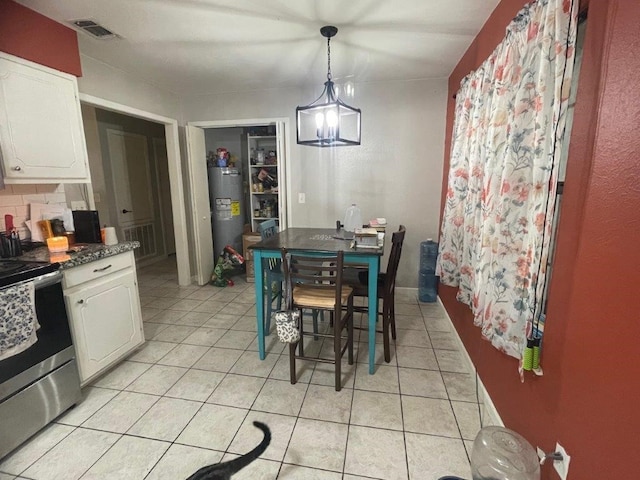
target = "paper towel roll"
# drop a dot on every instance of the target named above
(109, 236)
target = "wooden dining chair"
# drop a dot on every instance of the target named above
(358, 279)
(315, 282)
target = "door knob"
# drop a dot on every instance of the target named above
(124, 210)
(17, 169)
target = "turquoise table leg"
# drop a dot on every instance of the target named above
(373, 309)
(259, 277)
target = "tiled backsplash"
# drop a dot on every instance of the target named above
(15, 200)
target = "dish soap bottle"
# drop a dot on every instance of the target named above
(352, 218)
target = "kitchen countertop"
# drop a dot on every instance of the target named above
(82, 253)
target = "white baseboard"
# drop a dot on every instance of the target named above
(488, 413)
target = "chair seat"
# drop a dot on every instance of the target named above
(314, 297)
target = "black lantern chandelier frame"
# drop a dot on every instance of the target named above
(328, 121)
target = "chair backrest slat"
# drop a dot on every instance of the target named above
(321, 271)
(397, 240)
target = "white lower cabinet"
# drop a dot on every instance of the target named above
(104, 312)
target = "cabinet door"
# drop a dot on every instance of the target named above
(41, 134)
(106, 321)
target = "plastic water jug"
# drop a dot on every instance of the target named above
(352, 218)
(427, 278)
(502, 454)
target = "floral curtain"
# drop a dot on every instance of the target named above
(509, 122)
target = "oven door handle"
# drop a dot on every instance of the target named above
(47, 280)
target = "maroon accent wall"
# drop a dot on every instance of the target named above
(32, 36)
(589, 396)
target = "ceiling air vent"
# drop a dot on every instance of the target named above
(94, 29)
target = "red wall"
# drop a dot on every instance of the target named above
(589, 396)
(27, 34)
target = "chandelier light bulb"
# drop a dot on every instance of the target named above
(332, 118)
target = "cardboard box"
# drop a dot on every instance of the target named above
(249, 239)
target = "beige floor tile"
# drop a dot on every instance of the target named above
(122, 375)
(222, 320)
(237, 390)
(362, 351)
(410, 322)
(376, 453)
(174, 333)
(183, 356)
(214, 426)
(416, 357)
(422, 383)
(195, 385)
(210, 307)
(130, 458)
(236, 339)
(249, 436)
(408, 309)
(324, 374)
(151, 329)
(205, 336)
(271, 345)
(237, 309)
(218, 359)
(157, 380)
(181, 461)
(36, 447)
(152, 351)
(375, 409)
(282, 369)
(250, 364)
(165, 419)
(460, 386)
(296, 472)
(430, 416)
(445, 340)
(412, 338)
(385, 378)
(324, 403)
(318, 444)
(468, 418)
(259, 469)
(246, 323)
(451, 361)
(93, 399)
(194, 319)
(73, 456)
(431, 457)
(202, 294)
(281, 397)
(168, 317)
(119, 414)
(185, 304)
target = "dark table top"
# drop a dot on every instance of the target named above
(313, 239)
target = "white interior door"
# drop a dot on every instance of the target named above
(202, 238)
(131, 177)
(282, 174)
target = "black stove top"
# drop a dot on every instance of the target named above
(14, 271)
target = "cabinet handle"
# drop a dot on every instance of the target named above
(101, 269)
(80, 301)
(17, 168)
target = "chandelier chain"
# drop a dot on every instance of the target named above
(328, 58)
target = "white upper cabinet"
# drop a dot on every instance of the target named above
(41, 135)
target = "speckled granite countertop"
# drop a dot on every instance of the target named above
(84, 253)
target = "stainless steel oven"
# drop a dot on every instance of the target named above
(41, 382)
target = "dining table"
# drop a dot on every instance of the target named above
(320, 241)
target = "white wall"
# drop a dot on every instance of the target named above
(396, 172)
(110, 83)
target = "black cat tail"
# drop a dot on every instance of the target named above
(226, 469)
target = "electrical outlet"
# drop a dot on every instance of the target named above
(562, 466)
(79, 205)
(301, 198)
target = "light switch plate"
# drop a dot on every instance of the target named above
(301, 198)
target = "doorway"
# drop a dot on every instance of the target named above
(202, 138)
(167, 155)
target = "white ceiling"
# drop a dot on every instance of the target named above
(193, 47)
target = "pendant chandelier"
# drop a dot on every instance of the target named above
(328, 121)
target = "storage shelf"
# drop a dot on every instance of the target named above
(262, 165)
(264, 193)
